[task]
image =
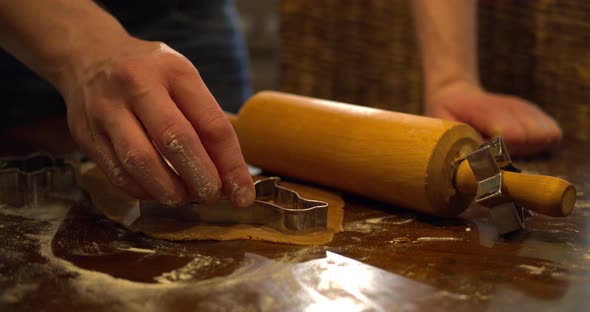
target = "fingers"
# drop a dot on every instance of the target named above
(544, 128)
(533, 139)
(541, 132)
(104, 155)
(178, 141)
(128, 101)
(522, 134)
(526, 129)
(98, 147)
(488, 119)
(141, 161)
(444, 114)
(217, 136)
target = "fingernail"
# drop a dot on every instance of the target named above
(172, 202)
(243, 196)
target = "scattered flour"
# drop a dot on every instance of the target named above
(376, 224)
(582, 204)
(91, 285)
(534, 270)
(18, 292)
(395, 222)
(187, 272)
(139, 250)
(255, 276)
(437, 239)
(400, 240)
(447, 294)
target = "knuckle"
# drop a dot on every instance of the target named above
(98, 115)
(234, 171)
(182, 72)
(113, 170)
(118, 178)
(172, 136)
(217, 125)
(136, 159)
(129, 73)
(169, 54)
(126, 69)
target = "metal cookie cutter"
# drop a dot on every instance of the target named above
(28, 180)
(275, 206)
(486, 163)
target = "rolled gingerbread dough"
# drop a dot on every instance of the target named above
(175, 223)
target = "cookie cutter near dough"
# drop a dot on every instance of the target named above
(275, 206)
(29, 180)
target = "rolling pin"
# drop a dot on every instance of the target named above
(402, 159)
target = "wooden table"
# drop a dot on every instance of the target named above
(68, 257)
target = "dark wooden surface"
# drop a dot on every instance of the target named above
(66, 257)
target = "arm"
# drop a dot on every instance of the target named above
(55, 38)
(130, 101)
(447, 34)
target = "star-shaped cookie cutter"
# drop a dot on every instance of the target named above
(28, 180)
(486, 164)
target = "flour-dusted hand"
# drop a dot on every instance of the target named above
(130, 102)
(526, 129)
(145, 100)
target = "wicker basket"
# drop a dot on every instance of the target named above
(540, 50)
(364, 52)
(350, 51)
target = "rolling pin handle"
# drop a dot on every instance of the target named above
(496, 187)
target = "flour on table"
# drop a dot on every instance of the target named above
(438, 239)
(379, 224)
(534, 270)
(188, 272)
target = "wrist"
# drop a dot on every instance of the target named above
(78, 63)
(433, 93)
(437, 93)
(444, 74)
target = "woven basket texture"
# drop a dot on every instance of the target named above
(365, 52)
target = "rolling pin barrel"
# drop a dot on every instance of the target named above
(397, 158)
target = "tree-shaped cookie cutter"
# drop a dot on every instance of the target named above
(486, 163)
(297, 214)
(275, 206)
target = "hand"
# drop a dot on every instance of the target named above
(526, 129)
(143, 100)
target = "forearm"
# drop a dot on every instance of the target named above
(447, 35)
(57, 37)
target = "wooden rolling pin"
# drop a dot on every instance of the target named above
(396, 158)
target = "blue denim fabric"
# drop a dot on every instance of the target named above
(205, 31)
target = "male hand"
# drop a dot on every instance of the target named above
(526, 129)
(143, 101)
